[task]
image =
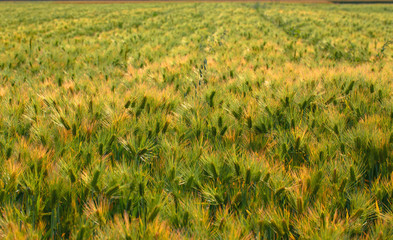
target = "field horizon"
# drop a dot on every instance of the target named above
(351, 2)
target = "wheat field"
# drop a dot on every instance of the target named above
(196, 121)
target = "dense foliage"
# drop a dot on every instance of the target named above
(196, 120)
